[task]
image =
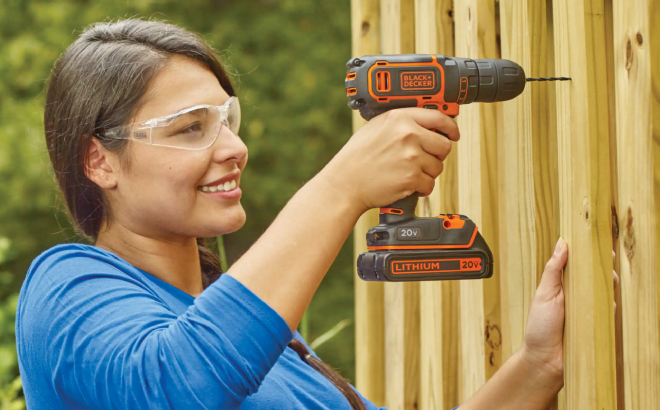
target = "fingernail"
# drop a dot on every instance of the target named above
(558, 247)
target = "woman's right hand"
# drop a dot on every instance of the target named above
(393, 156)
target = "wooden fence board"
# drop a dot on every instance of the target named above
(369, 296)
(638, 268)
(584, 204)
(481, 354)
(571, 159)
(439, 310)
(614, 186)
(402, 343)
(654, 41)
(529, 144)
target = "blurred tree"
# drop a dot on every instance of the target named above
(287, 57)
(10, 383)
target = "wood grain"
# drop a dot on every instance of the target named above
(638, 270)
(439, 308)
(402, 331)
(584, 204)
(481, 338)
(369, 296)
(529, 144)
(654, 39)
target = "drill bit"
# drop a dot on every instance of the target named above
(549, 79)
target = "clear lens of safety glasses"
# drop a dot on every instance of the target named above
(193, 128)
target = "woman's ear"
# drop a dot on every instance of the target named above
(102, 166)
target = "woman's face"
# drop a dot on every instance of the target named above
(160, 194)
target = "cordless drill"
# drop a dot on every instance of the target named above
(404, 247)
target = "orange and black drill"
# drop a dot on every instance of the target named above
(404, 247)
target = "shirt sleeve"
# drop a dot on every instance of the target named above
(107, 341)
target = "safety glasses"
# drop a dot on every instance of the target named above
(193, 128)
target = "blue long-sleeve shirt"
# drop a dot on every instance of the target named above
(94, 332)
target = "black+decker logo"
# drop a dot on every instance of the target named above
(418, 80)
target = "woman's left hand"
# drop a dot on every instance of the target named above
(545, 323)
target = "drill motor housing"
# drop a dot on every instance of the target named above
(378, 83)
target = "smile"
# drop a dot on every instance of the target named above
(226, 186)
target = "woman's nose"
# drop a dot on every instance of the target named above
(229, 147)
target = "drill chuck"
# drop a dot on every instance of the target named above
(488, 79)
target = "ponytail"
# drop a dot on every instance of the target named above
(335, 378)
(210, 262)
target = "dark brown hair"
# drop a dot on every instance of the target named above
(99, 83)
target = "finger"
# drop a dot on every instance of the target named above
(434, 143)
(551, 279)
(616, 279)
(433, 120)
(431, 165)
(425, 185)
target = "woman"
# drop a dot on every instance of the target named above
(141, 125)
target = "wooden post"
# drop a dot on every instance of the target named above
(639, 265)
(614, 187)
(439, 309)
(481, 338)
(528, 150)
(401, 299)
(654, 40)
(584, 204)
(529, 144)
(369, 296)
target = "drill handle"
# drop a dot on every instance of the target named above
(401, 210)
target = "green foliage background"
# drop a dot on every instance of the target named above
(288, 57)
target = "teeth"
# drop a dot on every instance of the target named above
(227, 186)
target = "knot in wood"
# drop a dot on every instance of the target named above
(629, 55)
(629, 240)
(365, 28)
(640, 38)
(586, 211)
(493, 335)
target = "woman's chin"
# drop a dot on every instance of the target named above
(230, 221)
